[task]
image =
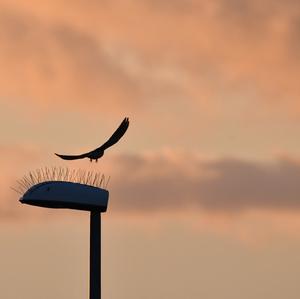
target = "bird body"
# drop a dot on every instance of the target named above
(96, 154)
(99, 152)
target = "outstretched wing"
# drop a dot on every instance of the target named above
(116, 136)
(71, 157)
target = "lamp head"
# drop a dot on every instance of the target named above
(63, 189)
(66, 195)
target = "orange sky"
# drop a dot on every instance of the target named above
(211, 89)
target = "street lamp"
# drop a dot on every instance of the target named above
(63, 189)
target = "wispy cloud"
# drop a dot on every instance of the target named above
(198, 51)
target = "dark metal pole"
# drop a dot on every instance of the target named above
(95, 255)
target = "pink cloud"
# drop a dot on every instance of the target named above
(197, 51)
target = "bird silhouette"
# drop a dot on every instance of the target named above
(99, 152)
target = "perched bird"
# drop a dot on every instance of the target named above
(99, 152)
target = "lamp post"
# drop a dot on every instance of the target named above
(95, 255)
(78, 196)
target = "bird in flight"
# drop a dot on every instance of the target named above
(99, 152)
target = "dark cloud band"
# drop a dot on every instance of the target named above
(224, 184)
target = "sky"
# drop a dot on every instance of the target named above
(204, 186)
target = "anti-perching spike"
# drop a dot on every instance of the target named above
(41, 175)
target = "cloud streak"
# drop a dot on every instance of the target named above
(194, 50)
(218, 185)
(168, 182)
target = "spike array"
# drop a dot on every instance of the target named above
(61, 174)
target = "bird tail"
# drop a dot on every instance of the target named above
(71, 157)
